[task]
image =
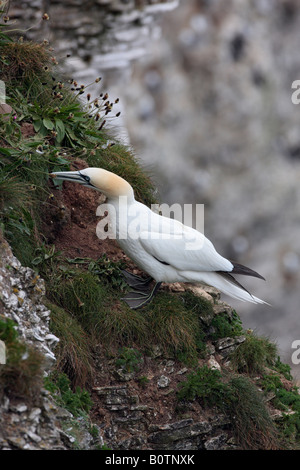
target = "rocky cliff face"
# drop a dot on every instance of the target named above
(41, 424)
(32, 421)
(22, 292)
(24, 425)
(126, 415)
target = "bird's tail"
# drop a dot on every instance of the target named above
(227, 284)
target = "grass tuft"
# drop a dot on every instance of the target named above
(24, 61)
(175, 327)
(73, 353)
(97, 308)
(253, 426)
(239, 398)
(253, 355)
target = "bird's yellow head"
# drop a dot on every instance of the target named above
(108, 183)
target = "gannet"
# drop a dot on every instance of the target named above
(164, 248)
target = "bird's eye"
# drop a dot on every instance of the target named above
(85, 177)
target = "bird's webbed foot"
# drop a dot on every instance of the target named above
(136, 282)
(137, 299)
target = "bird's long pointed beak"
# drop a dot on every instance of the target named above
(74, 176)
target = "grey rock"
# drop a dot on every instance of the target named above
(19, 408)
(123, 375)
(163, 381)
(216, 443)
(23, 425)
(226, 346)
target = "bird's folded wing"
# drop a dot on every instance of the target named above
(182, 247)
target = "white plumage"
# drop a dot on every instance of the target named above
(164, 248)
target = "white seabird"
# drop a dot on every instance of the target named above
(164, 248)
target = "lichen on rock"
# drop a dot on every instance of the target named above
(22, 293)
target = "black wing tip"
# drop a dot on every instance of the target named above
(244, 270)
(232, 279)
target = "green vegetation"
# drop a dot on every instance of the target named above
(74, 352)
(205, 385)
(129, 359)
(97, 307)
(83, 294)
(252, 424)
(254, 354)
(238, 397)
(284, 397)
(93, 301)
(78, 402)
(143, 381)
(223, 326)
(108, 271)
(175, 327)
(61, 129)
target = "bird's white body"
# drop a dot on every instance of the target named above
(170, 251)
(165, 248)
(162, 247)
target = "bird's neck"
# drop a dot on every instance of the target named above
(121, 202)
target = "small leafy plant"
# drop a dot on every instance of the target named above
(143, 381)
(225, 327)
(78, 402)
(63, 124)
(129, 359)
(205, 385)
(107, 270)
